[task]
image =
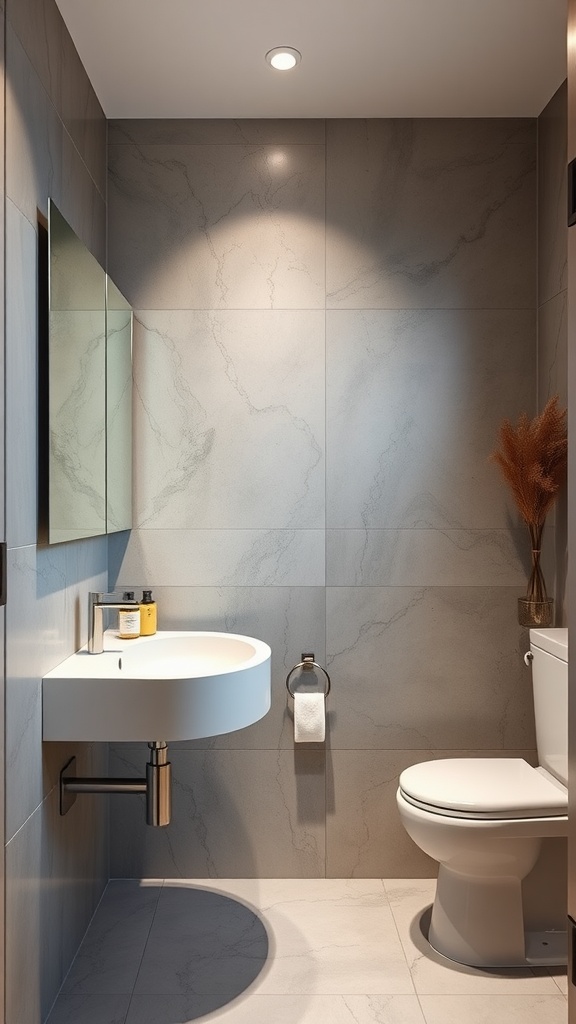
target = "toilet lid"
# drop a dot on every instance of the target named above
(483, 788)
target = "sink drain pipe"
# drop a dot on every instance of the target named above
(157, 785)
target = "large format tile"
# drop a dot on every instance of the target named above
(426, 668)
(90, 1009)
(432, 974)
(431, 213)
(292, 620)
(218, 558)
(33, 136)
(203, 945)
(21, 373)
(426, 558)
(338, 937)
(254, 1008)
(46, 620)
(552, 229)
(39, 27)
(82, 115)
(45, 919)
(229, 428)
(109, 958)
(364, 835)
(236, 813)
(516, 1009)
(216, 131)
(414, 402)
(212, 226)
(553, 349)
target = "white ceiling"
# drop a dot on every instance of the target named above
(360, 58)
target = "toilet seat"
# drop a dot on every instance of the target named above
(483, 788)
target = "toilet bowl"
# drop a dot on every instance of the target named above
(485, 821)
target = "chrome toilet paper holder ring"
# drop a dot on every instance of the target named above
(307, 663)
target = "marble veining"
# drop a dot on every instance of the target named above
(248, 951)
(436, 199)
(414, 401)
(229, 419)
(178, 209)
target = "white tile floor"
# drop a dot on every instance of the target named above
(285, 951)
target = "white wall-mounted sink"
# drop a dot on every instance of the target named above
(170, 686)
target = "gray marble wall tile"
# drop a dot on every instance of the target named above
(365, 837)
(21, 374)
(236, 814)
(553, 349)
(552, 229)
(33, 137)
(81, 203)
(427, 667)
(414, 402)
(229, 419)
(45, 919)
(292, 620)
(46, 621)
(431, 213)
(200, 227)
(218, 558)
(216, 131)
(426, 558)
(552, 312)
(39, 27)
(82, 114)
(43, 35)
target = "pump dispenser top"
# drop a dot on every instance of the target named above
(148, 614)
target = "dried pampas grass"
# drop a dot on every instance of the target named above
(532, 458)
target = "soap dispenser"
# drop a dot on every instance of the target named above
(148, 614)
(129, 618)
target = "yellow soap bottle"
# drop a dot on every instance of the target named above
(148, 614)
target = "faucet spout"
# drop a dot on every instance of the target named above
(96, 605)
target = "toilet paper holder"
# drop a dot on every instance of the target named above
(306, 664)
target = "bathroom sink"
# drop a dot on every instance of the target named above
(170, 686)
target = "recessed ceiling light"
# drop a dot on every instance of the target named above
(283, 57)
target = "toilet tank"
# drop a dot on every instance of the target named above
(549, 649)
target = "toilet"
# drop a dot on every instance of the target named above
(497, 828)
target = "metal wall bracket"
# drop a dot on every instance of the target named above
(67, 797)
(157, 786)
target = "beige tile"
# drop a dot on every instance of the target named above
(487, 1009)
(332, 937)
(434, 974)
(561, 978)
(254, 1008)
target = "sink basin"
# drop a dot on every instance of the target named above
(170, 686)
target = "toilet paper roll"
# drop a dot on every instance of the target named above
(309, 717)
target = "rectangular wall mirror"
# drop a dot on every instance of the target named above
(89, 392)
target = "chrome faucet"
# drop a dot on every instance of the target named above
(96, 605)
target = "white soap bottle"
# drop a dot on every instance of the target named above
(129, 619)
